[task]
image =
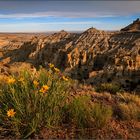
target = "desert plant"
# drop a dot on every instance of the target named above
(29, 101)
(101, 114)
(129, 98)
(79, 111)
(84, 113)
(108, 87)
(129, 111)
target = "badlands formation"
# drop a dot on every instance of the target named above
(92, 57)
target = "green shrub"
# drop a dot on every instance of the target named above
(101, 114)
(108, 87)
(29, 101)
(79, 111)
(84, 113)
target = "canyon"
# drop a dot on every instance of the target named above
(91, 57)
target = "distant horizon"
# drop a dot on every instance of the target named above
(52, 16)
(78, 31)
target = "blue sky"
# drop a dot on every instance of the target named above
(47, 15)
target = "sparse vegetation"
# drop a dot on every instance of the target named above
(108, 87)
(129, 106)
(84, 113)
(101, 114)
(129, 98)
(129, 111)
(79, 111)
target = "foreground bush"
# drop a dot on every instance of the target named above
(79, 111)
(29, 101)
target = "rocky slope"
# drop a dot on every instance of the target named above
(135, 26)
(93, 56)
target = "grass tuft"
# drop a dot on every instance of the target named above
(101, 114)
(108, 87)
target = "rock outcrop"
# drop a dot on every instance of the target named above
(134, 27)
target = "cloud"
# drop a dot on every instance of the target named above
(52, 23)
(57, 14)
(68, 15)
(70, 9)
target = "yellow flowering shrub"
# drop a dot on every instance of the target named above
(29, 110)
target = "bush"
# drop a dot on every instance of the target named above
(79, 111)
(108, 87)
(29, 101)
(101, 114)
(84, 113)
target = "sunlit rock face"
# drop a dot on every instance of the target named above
(93, 56)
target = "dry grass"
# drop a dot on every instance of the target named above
(108, 87)
(129, 111)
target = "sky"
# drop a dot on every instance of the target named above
(69, 15)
